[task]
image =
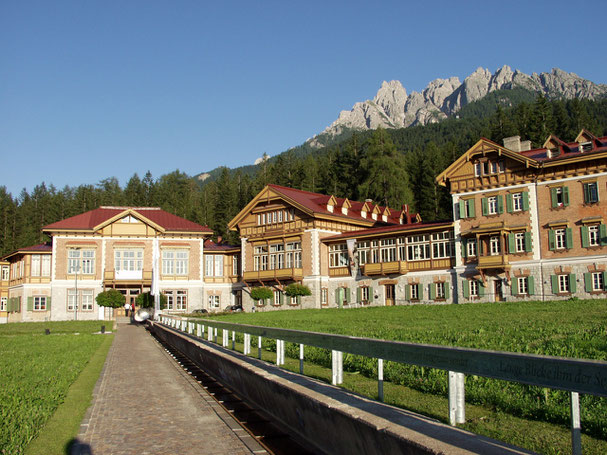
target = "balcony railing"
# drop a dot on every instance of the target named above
(276, 274)
(144, 276)
(496, 261)
(386, 268)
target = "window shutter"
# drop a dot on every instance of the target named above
(588, 282)
(299, 299)
(511, 245)
(572, 284)
(447, 290)
(585, 239)
(485, 206)
(463, 245)
(465, 289)
(462, 209)
(408, 292)
(509, 203)
(526, 201)
(347, 292)
(586, 193)
(432, 291)
(603, 234)
(370, 294)
(281, 298)
(528, 245)
(338, 297)
(479, 248)
(500, 204)
(554, 280)
(358, 295)
(551, 240)
(565, 196)
(553, 197)
(48, 304)
(30, 304)
(604, 280)
(471, 212)
(514, 286)
(569, 238)
(481, 289)
(9, 305)
(531, 285)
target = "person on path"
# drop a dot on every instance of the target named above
(126, 309)
(132, 310)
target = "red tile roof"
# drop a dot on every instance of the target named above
(388, 229)
(93, 218)
(567, 150)
(40, 248)
(209, 245)
(317, 203)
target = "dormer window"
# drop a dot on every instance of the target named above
(363, 214)
(330, 208)
(586, 146)
(344, 210)
(384, 218)
(374, 216)
(553, 153)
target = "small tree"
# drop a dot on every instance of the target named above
(261, 293)
(296, 290)
(146, 300)
(111, 299)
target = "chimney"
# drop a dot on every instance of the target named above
(219, 239)
(407, 214)
(513, 143)
(525, 145)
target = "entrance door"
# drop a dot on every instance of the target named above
(497, 289)
(390, 291)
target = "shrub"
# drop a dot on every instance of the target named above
(295, 290)
(112, 299)
(146, 300)
(261, 293)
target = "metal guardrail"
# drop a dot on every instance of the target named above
(573, 375)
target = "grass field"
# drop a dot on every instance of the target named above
(36, 371)
(565, 328)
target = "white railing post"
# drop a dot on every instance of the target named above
(333, 367)
(380, 379)
(301, 358)
(576, 429)
(215, 334)
(233, 340)
(457, 398)
(340, 367)
(247, 344)
(259, 348)
(198, 330)
(280, 352)
(210, 333)
(337, 376)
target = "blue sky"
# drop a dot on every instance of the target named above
(95, 89)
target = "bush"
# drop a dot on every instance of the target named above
(146, 300)
(261, 293)
(295, 290)
(112, 299)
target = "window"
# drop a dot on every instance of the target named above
(46, 266)
(519, 242)
(558, 239)
(324, 296)
(418, 247)
(86, 297)
(594, 235)
(363, 253)
(277, 256)
(176, 300)
(260, 258)
(3, 301)
(175, 262)
(471, 249)
(293, 255)
(213, 265)
(478, 168)
(39, 303)
(494, 245)
(523, 285)
(128, 260)
(338, 255)
(278, 298)
(214, 301)
(81, 261)
(439, 291)
(591, 192)
(218, 265)
(5, 272)
(412, 292)
(443, 245)
(466, 208)
(388, 250)
(492, 205)
(236, 265)
(472, 288)
(35, 270)
(473, 285)
(72, 299)
(364, 294)
(598, 283)
(563, 283)
(559, 196)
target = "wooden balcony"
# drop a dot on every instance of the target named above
(386, 268)
(272, 275)
(144, 277)
(499, 261)
(339, 271)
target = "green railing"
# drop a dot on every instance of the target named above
(573, 375)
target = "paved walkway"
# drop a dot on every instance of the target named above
(145, 404)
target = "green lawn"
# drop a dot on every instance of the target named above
(36, 371)
(565, 328)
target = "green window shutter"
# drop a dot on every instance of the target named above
(370, 294)
(347, 293)
(569, 238)
(500, 204)
(509, 203)
(514, 286)
(30, 304)
(588, 282)
(572, 283)
(432, 290)
(511, 245)
(462, 209)
(338, 296)
(586, 193)
(481, 289)
(9, 305)
(485, 206)
(471, 211)
(565, 196)
(551, 240)
(465, 289)
(281, 298)
(358, 295)
(48, 304)
(447, 290)
(531, 285)
(554, 280)
(464, 244)
(528, 245)
(585, 239)
(553, 197)
(408, 292)
(299, 299)
(604, 280)
(526, 201)
(603, 234)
